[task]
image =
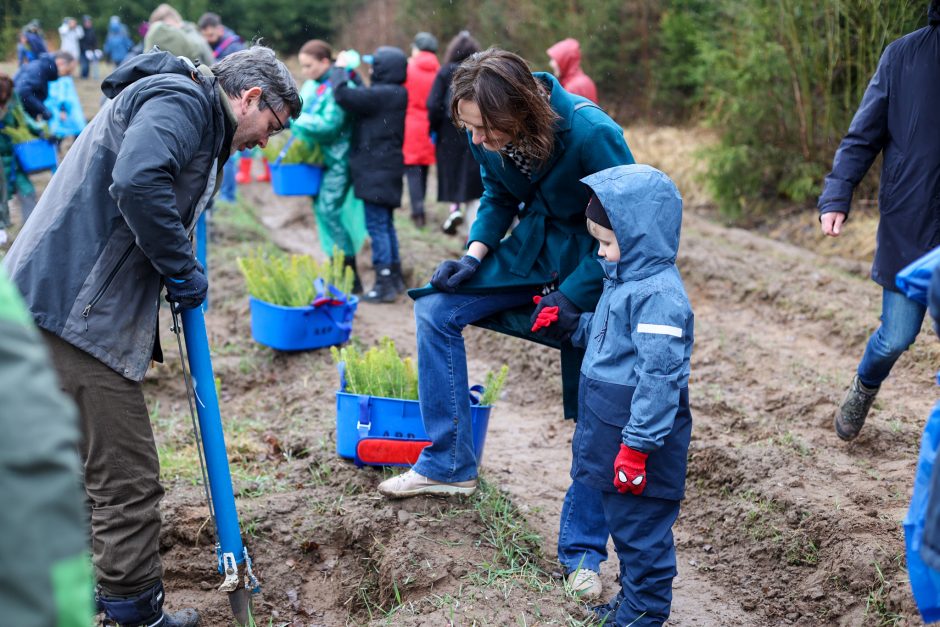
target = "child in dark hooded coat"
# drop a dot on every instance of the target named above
(376, 162)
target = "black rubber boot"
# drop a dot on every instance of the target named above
(143, 609)
(850, 417)
(398, 280)
(350, 262)
(419, 220)
(384, 289)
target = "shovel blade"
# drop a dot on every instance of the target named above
(240, 600)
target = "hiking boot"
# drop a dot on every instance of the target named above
(411, 483)
(384, 289)
(605, 614)
(586, 584)
(398, 280)
(143, 609)
(850, 416)
(349, 261)
(419, 220)
(454, 220)
(184, 618)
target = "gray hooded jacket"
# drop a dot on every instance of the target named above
(117, 215)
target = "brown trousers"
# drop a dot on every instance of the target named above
(121, 469)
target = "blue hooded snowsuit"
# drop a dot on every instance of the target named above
(634, 383)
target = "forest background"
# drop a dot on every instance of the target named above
(777, 80)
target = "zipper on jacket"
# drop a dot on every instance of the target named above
(107, 284)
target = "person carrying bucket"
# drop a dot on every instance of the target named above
(133, 186)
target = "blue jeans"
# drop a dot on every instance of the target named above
(227, 189)
(901, 319)
(381, 226)
(443, 391)
(582, 534)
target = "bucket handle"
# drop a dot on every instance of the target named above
(283, 153)
(476, 394)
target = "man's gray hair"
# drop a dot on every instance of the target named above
(258, 66)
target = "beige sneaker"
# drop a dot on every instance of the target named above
(411, 483)
(586, 584)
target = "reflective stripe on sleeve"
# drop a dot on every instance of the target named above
(659, 329)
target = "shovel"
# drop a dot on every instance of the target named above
(232, 556)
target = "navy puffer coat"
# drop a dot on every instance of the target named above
(898, 116)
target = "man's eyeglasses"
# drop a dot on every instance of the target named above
(280, 125)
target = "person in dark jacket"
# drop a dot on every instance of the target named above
(376, 164)
(458, 173)
(220, 38)
(896, 118)
(224, 42)
(109, 234)
(88, 44)
(534, 142)
(31, 82)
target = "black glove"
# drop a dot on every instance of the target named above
(187, 290)
(568, 317)
(452, 273)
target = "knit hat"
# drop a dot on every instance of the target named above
(595, 212)
(425, 41)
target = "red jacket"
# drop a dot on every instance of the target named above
(422, 69)
(567, 54)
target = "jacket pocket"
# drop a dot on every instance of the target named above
(604, 410)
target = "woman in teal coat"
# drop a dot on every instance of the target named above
(534, 142)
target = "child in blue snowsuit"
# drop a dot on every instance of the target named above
(634, 421)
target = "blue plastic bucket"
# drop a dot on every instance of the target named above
(392, 418)
(301, 328)
(297, 179)
(36, 155)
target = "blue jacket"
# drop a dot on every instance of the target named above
(640, 334)
(118, 43)
(897, 116)
(229, 43)
(31, 84)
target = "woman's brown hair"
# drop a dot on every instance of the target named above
(510, 99)
(318, 49)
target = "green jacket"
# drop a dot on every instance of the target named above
(180, 42)
(551, 242)
(15, 127)
(323, 122)
(45, 568)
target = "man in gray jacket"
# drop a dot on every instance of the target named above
(111, 230)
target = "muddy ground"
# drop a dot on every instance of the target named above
(783, 523)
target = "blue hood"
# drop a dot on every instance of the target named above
(645, 210)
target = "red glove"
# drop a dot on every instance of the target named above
(546, 316)
(630, 471)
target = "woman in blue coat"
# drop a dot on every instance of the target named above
(534, 142)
